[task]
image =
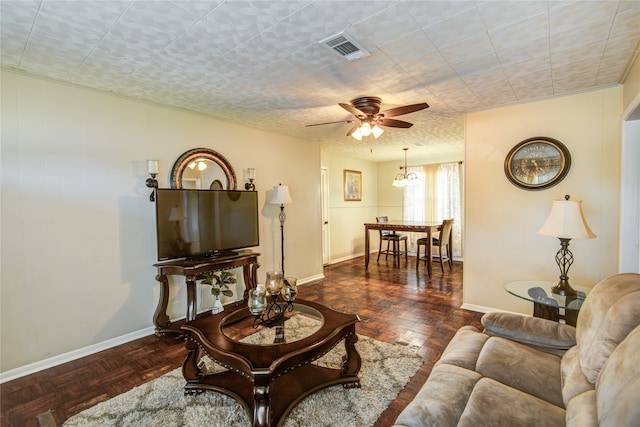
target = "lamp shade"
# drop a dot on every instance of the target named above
(175, 214)
(566, 221)
(357, 134)
(376, 131)
(152, 166)
(281, 195)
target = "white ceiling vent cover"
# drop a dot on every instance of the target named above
(343, 45)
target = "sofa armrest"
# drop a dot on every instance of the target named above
(533, 331)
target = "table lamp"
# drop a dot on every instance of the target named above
(566, 221)
(280, 197)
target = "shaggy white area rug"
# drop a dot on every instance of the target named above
(386, 369)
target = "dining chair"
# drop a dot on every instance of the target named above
(441, 242)
(392, 238)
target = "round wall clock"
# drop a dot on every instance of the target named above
(537, 163)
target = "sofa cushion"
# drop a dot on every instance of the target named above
(494, 404)
(573, 380)
(608, 314)
(464, 348)
(581, 410)
(533, 331)
(441, 399)
(523, 368)
(618, 385)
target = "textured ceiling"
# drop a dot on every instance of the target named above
(259, 63)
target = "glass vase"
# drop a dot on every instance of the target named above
(290, 289)
(257, 300)
(274, 282)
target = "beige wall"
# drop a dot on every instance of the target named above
(379, 198)
(390, 202)
(78, 230)
(346, 218)
(631, 88)
(501, 243)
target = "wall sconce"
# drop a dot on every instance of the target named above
(251, 175)
(152, 169)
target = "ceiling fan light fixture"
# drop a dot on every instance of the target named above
(365, 129)
(377, 131)
(357, 134)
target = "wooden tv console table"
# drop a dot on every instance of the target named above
(190, 269)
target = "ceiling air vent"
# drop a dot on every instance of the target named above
(345, 46)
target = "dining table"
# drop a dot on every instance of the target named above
(427, 227)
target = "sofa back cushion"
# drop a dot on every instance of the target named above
(609, 313)
(618, 385)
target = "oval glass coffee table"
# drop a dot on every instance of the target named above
(546, 304)
(256, 371)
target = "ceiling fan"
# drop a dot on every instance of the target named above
(368, 117)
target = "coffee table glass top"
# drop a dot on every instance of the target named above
(302, 322)
(539, 292)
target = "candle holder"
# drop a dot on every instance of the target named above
(281, 293)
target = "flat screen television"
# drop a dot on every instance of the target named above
(205, 223)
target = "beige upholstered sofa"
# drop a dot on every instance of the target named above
(526, 371)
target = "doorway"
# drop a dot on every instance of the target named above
(324, 196)
(630, 193)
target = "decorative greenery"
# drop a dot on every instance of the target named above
(219, 282)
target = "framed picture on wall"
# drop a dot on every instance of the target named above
(352, 186)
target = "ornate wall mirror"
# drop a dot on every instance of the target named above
(203, 168)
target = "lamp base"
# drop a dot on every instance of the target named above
(564, 259)
(564, 288)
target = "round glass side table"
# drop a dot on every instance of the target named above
(546, 304)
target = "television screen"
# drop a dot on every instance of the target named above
(201, 223)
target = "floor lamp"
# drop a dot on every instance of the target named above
(566, 221)
(280, 197)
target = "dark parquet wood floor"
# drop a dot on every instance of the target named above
(396, 305)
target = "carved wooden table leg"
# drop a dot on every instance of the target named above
(192, 298)
(160, 318)
(249, 272)
(546, 312)
(192, 369)
(351, 362)
(261, 406)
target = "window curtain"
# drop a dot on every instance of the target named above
(415, 199)
(437, 196)
(450, 201)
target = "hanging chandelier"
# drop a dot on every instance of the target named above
(403, 179)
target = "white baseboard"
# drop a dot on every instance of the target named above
(73, 355)
(346, 258)
(483, 309)
(95, 348)
(310, 279)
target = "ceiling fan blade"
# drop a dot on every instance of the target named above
(330, 123)
(393, 123)
(353, 129)
(359, 114)
(398, 111)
